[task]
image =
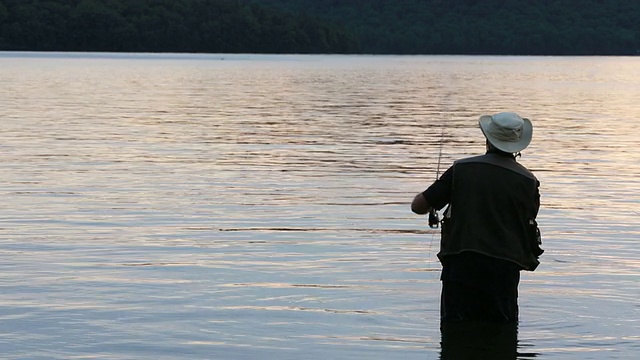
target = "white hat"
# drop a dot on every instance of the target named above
(507, 131)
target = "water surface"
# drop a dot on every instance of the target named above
(257, 206)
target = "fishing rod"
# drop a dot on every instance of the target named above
(434, 217)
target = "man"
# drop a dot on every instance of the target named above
(489, 231)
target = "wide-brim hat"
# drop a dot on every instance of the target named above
(507, 131)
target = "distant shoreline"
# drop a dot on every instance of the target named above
(127, 54)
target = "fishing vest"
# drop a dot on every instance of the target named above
(492, 211)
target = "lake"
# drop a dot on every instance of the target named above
(229, 206)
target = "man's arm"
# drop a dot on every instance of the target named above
(439, 194)
(419, 205)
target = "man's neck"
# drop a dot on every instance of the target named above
(500, 152)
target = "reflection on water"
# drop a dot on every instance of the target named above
(482, 341)
(185, 207)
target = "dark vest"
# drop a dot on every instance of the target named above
(494, 203)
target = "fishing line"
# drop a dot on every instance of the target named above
(434, 217)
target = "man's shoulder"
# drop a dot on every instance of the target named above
(502, 161)
(470, 159)
(486, 158)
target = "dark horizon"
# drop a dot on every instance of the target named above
(374, 27)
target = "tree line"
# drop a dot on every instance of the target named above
(199, 26)
(519, 27)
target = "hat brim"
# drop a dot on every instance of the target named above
(508, 146)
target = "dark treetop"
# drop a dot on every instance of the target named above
(518, 27)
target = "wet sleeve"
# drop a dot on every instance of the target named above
(439, 193)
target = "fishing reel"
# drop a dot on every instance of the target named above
(434, 218)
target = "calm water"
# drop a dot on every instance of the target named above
(257, 207)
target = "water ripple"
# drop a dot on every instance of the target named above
(183, 207)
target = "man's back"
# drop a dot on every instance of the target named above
(492, 204)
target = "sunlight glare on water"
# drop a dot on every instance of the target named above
(257, 206)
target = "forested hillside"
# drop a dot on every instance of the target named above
(540, 27)
(554, 27)
(212, 26)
